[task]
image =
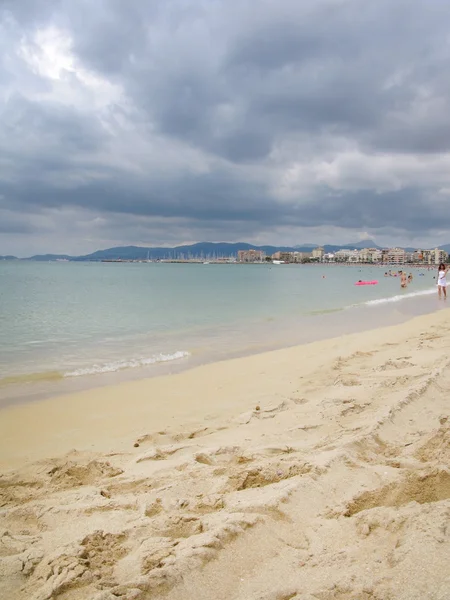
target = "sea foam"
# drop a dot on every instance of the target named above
(399, 297)
(126, 364)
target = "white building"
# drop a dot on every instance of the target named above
(318, 253)
(440, 256)
(370, 255)
(346, 255)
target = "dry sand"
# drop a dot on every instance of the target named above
(313, 473)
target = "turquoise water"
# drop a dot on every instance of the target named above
(68, 320)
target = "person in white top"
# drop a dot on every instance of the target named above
(442, 280)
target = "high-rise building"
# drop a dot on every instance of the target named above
(440, 256)
(251, 256)
(394, 256)
(318, 253)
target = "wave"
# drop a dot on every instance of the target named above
(397, 298)
(120, 365)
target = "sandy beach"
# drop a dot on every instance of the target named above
(319, 472)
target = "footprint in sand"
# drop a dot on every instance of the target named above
(165, 437)
(398, 381)
(353, 408)
(92, 560)
(343, 361)
(299, 401)
(263, 412)
(395, 364)
(430, 336)
(70, 474)
(177, 526)
(423, 488)
(16, 491)
(262, 476)
(437, 446)
(284, 594)
(160, 453)
(347, 380)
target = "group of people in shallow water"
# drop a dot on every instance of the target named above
(404, 278)
(407, 279)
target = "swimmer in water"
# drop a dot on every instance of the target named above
(410, 278)
(403, 280)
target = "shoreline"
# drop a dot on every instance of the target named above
(67, 406)
(261, 337)
(318, 471)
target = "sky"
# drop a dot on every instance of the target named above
(266, 121)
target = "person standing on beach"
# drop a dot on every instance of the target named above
(403, 279)
(442, 280)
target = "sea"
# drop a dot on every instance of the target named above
(68, 326)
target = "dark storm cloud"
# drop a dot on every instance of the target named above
(12, 223)
(221, 200)
(52, 126)
(197, 112)
(368, 210)
(217, 197)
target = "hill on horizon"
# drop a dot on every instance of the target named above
(199, 250)
(364, 244)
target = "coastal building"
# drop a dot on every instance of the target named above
(291, 257)
(439, 256)
(391, 256)
(301, 256)
(346, 255)
(370, 255)
(251, 256)
(394, 256)
(318, 253)
(425, 255)
(431, 257)
(284, 256)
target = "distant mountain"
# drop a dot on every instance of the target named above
(8, 257)
(363, 244)
(446, 248)
(199, 250)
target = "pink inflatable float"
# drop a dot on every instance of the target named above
(366, 282)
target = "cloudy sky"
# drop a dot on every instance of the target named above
(270, 121)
